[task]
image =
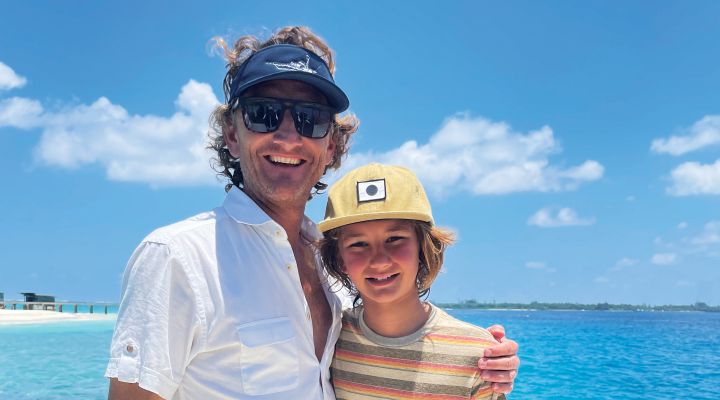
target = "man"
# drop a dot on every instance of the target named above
(232, 304)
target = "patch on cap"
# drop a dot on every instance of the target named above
(371, 190)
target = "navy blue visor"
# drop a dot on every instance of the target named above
(286, 61)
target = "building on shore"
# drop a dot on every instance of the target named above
(39, 298)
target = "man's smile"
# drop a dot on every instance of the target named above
(284, 161)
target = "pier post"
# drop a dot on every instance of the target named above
(75, 308)
(91, 308)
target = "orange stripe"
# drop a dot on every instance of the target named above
(484, 392)
(453, 339)
(395, 394)
(459, 339)
(407, 365)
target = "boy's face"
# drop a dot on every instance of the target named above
(381, 258)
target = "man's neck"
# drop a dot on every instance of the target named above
(288, 215)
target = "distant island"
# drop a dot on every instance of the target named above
(473, 304)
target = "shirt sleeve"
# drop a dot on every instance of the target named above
(158, 323)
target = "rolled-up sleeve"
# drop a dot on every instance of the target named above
(160, 322)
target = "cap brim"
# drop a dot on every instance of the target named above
(333, 223)
(335, 96)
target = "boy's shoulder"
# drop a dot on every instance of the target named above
(449, 327)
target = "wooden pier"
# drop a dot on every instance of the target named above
(59, 306)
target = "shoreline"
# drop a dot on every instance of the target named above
(31, 317)
(572, 310)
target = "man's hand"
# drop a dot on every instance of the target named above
(500, 362)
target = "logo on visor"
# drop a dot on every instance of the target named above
(371, 190)
(295, 66)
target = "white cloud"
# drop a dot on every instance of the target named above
(692, 178)
(483, 157)
(623, 263)
(535, 265)
(9, 79)
(539, 265)
(19, 112)
(630, 199)
(704, 242)
(705, 132)
(682, 225)
(709, 236)
(139, 148)
(602, 279)
(544, 218)
(663, 258)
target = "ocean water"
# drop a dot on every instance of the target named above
(565, 355)
(611, 355)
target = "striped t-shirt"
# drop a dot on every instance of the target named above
(439, 361)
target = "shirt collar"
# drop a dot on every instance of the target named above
(242, 209)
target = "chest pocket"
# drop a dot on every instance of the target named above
(269, 358)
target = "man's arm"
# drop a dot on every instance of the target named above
(151, 344)
(129, 391)
(499, 363)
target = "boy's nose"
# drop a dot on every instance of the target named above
(380, 258)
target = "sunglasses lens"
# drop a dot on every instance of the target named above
(262, 116)
(312, 122)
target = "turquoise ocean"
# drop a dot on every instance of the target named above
(565, 355)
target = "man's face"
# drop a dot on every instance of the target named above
(281, 167)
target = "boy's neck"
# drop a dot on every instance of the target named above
(396, 319)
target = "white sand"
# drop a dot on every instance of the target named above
(16, 317)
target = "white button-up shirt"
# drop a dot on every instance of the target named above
(212, 308)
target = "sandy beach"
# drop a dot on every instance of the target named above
(17, 317)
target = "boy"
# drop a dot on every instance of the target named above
(380, 243)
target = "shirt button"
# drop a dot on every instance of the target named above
(289, 266)
(130, 348)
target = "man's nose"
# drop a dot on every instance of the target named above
(286, 132)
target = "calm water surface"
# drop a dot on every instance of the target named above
(612, 355)
(565, 355)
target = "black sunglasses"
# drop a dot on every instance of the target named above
(264, 115)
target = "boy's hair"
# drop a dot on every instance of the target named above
(432, 242)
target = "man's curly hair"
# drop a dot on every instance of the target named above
(342, 127)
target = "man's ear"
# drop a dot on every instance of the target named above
(230, 135)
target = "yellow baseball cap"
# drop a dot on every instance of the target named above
(375, 191)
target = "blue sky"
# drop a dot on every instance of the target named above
(573, 146)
